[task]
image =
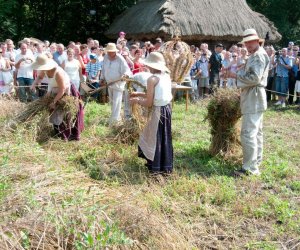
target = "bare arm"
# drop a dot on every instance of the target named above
(38, 80)
(148, 101)
(17, 65)
(61, 87)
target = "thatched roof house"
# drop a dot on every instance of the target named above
(195, 20)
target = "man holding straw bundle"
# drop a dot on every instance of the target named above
(252, 79)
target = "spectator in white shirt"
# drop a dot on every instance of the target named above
(24, 74)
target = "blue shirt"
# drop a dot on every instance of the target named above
(280, 69)
(59, 58)
(93, 68)
(202, 65)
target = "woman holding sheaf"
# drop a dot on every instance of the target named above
(155, 143)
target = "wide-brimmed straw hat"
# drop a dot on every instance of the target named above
(43, 62)
(250, 35)
(111, 47)
(156, 61)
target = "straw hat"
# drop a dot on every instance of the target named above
(111, 47)
(250, 35)
(156, 61)
(43, 62)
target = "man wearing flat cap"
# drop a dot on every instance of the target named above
(252, 80)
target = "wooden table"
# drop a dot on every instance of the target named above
(178, 87)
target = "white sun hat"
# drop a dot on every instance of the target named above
(156, 61)
(43, 62)
(250, 35)
(111, 47)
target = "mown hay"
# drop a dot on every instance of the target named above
(9, 107)
(223, 115)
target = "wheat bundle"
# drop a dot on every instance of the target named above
(129, 131)
(223, 115)
(178, 59)
(68, 104)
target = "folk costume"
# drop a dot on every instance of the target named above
(155, 143)
(64, 126)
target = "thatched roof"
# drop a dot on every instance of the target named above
(194, 20)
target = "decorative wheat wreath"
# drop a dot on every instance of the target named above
(178, 57)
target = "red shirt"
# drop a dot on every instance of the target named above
(137, 67)
(85, 60)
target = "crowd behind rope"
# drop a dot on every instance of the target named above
(84, 62)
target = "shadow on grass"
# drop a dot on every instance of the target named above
(195, 160)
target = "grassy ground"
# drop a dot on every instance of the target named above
(96, 193)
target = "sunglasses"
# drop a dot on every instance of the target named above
(234, 56)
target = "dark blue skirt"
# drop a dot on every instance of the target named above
(163, 159)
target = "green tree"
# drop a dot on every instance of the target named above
(65, 20)
(8, 24)
(284, 14)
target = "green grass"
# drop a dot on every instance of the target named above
(99, 194)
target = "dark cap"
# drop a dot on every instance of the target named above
(93, 56)
(219, 45)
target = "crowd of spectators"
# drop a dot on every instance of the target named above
(83, 63)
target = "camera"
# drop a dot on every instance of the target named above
(277, 55)
(298, 54)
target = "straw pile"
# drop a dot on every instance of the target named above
(9, 107)
(179, 59)
(223, 115)
(129, 131)
(68, 104)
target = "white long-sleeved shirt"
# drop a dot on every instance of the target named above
(252, 80)
(113, 70)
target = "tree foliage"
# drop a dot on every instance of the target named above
(284, 14)
(60, 20)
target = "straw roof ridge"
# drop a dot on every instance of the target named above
(192, 20)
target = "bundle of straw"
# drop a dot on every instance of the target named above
(129, 131)
(223, 115)
(68, 104)
(178, 58)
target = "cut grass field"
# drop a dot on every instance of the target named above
(96, 193)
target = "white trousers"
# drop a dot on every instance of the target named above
(252, 141)
(115, 100)
(127, 106)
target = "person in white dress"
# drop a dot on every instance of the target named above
(73, 68)
(6, 78)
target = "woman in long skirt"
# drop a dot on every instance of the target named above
(59, 86)
(155, 143)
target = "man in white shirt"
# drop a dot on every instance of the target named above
(114, 67)
(24, 74)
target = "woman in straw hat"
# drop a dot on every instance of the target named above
(59, 86)
(155, 143)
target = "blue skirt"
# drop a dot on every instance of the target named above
(163, 158)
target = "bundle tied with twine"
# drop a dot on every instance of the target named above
(223, 114)
(36, 114)
(179, 59)
(129, 130)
